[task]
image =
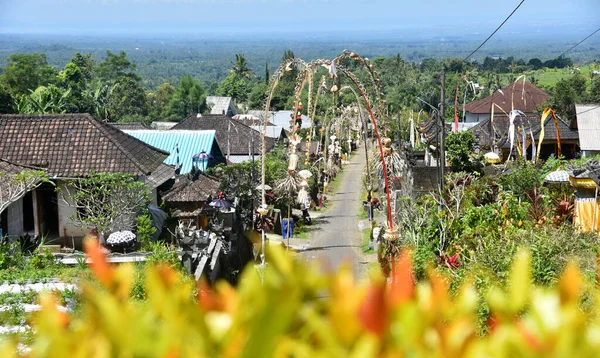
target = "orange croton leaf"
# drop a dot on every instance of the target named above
(403, 286)
(101, 268)
(373, 312)
(532, 342)
(492, 323)
(167, 275)
(207, 297)
(570, 283)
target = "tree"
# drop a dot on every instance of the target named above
(188, 99)
(127, 98)
(235, 87)
(50, 99)
(25, 73)
(267, 74)
(240, 67)
(6, 100)
(159, 101)
(257, 96)
(460, 148)
(567, 92)
(535, 63)
(115, 67)
(107, 201)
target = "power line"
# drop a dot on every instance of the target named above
(577, 44)
(498, 28)
(587, 110)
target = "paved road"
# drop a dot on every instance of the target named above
(338, 238)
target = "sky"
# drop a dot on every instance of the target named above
(275, 17)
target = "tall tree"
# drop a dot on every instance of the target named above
(6, 100)
(111, 70)
(267, 74)
(127, 100)
(566, 93)
(27, 72)
(188, 99)
(240, 67)
(234, 87)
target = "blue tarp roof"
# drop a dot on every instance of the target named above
(189, 142)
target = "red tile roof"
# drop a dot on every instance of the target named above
(525, 95)
(73, 145)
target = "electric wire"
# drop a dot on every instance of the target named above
(577, 44)
(498, 28)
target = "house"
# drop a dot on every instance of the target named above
(530, 125)
(183, 146)
(238, 141)
(221, 105)
(67, 147)
(522, 96)
(588, 123)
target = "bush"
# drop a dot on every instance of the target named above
(292, 309)
(144, 230)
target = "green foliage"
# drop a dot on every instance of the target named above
(240, 67)
(115, 67)
(234, 87)
(460, 148)
(25, 73)
(520, 178)
(565, 94)
(293, 309)
(144, 229)
(127, 98)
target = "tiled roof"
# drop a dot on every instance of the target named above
(238, 135)
(188, 190)
(160, 175)
(502, 123)
(74, 145)
(525, 95)
(189, 144)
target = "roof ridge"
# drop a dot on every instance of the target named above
(106, 131)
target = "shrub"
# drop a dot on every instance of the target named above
(144, 230)
(291, 309)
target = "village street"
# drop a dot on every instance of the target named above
(337, 238)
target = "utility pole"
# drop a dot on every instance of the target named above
(443, 132)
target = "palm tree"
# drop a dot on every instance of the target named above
(240, 67)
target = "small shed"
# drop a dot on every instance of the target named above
(188, 196)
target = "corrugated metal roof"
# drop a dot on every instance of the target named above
(283, 118)
(189, 143)
(588, 122)
(272, 131)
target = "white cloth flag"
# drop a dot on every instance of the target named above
(511, 128)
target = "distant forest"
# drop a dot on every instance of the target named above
(149, 80)
(167, 60)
